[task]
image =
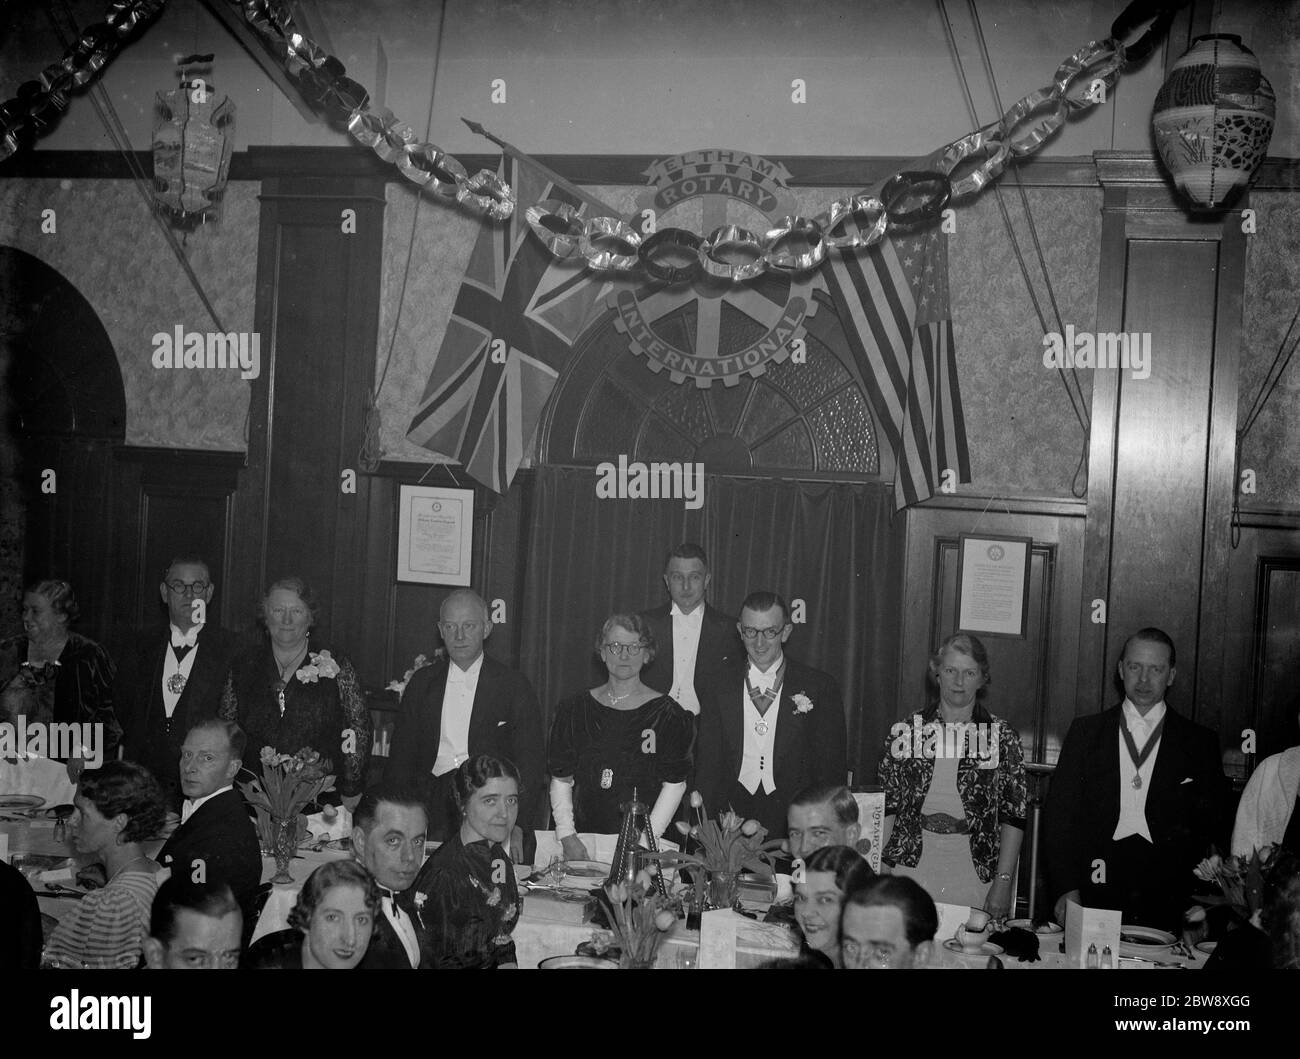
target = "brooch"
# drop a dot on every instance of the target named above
(606, 779)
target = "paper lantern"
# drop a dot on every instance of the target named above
(192, 141)
(1213, 119)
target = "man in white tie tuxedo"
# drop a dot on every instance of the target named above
(388, 835)
(216, 840)
(770, 728)
(694, 638)
(463, 706)
(1137, 797)
(171, 678)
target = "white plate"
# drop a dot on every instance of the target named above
(1043, 930)
(1152, 940)
(1206, 947)
(21, 801)
(986, 949)
(585, 874)
(562, 963)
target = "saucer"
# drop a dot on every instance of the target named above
(986, 949)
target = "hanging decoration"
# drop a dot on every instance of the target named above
(40, 103)
(1213, 119)
(192, 140)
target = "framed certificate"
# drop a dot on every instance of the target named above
(434, 535)
(993, 585)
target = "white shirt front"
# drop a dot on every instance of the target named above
(1267, 803)
(1133, 800)
(756, 761)
(457, 705)
(190, 805)
(171, 667)
(402, 925)
(686, 646)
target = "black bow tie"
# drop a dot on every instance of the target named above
(182, 651)
(392, 900)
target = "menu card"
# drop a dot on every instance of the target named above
(871, 818)
(1090, 926)
(718, 939)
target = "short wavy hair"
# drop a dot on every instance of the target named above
(920, 916)
(840, 799)
(849, 867)
(633, 623)
(972, 647)
(123, 787)
(61, 597)
(332, 874)
(474, 774)
(298, 585)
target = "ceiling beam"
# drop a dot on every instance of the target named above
(233, 20)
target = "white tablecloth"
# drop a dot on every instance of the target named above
(39, 776)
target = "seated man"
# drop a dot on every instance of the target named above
(216, 838)
(888, 923)
(194, 926)
(820, 817)
(1266, 814)
(388, 833)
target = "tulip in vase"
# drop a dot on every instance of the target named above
(288, 783)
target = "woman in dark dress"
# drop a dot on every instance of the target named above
(330, 924)
(288, 693)
(619, 737)
(52, 674)
(466, 896)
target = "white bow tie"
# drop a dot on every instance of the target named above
(190, 639)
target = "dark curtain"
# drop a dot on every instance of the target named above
(834, 546)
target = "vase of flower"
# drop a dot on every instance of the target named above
(284, 843)
(724, 889)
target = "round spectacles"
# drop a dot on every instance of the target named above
(188, 588)
(877, 956)
(770, 633)
(625, 650)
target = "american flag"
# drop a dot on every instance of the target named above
(516, 317)
(892, 301)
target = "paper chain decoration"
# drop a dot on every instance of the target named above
(607, 244)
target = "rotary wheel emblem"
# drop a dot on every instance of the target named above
(713, 329)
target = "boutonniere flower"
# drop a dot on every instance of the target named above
(320, 665)
(420, 898)
(802, 703)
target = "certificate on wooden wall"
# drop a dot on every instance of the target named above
(993, 585)
(434, 535)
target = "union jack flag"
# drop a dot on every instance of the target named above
(892, 301)
(516, 317)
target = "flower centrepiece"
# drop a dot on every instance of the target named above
(640, 918)
(1240, 880)
(287, 784)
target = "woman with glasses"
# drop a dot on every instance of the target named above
(289, 692)
(615, 738)
(52, 674)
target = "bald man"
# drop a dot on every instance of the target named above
(464, 705)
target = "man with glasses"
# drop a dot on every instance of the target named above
(462, 706)
(694, 638)
(888, 923)
(172, 678)
(770, 728)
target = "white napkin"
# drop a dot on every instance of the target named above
(950, 918)
(40, 776)
(339, 827)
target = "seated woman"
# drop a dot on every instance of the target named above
(466, 896)
(615, 738)
(823, 879)
(52, 674)
(329, 926)
(119, 806)
(289, 694)
(956, 799)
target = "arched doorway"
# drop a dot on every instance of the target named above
(64, 413)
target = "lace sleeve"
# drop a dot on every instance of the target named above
(357, 733)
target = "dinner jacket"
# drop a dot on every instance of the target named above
(719, 647)
(222, 836)
(505, 722)
(386, 951)
(810, 747)
(149, 736)
(1184, 804)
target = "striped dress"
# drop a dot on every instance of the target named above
(106, 929)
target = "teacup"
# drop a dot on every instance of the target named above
(972, 940)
